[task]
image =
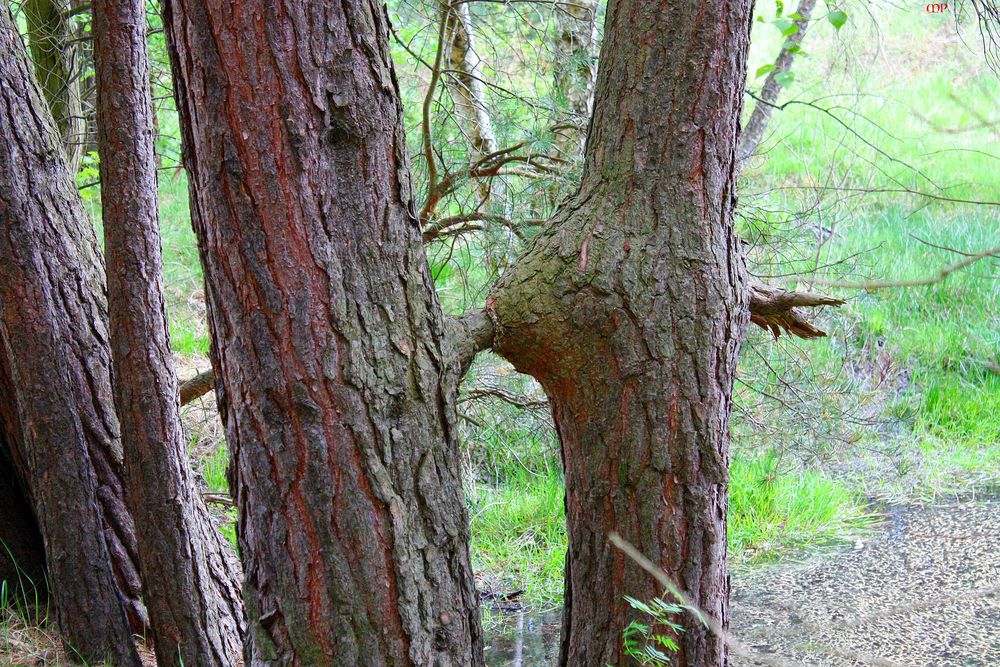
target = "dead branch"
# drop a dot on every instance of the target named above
(777, 310)
(943, 273)
(510, 398)
(196, 387)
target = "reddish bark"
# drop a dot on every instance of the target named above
(328, 340)
(630, 309)
(190, 584)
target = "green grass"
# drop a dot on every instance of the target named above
(519, 535)
(772, 508)
(214, 469)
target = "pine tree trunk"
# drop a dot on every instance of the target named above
(43, 301)
(630, 309)
(328, 340)
(191, 586)
(56, 363)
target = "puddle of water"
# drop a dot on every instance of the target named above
(524, 639)
(919, 590)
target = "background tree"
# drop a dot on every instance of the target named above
(575, 71)
(753, 130)
(55, 54)
(191, 587)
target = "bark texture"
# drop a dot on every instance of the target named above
(55, 54)
(575, 71)
(630, 309)
(328, 340)
(53, 340)
(753, 131)
(191, 586)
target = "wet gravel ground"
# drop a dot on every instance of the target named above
(922, 590)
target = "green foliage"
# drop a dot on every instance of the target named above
(837, 18)
(649, 643)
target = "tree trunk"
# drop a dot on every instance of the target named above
(43, 296)
(754, 130)
(57, 366)
(630, 309)
(328, 340)
(465, 80)
(575, 72)
(190, 584)
(55, 55)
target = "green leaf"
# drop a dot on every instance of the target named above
(764, 69)
(785, 79)
(783, 25)
(838, 18)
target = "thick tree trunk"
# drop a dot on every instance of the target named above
(191, 586)
(630, 309)
(44, 302)
(575, 71)
(754, 130)
(55, 55)
(56, 356)
(327, 336)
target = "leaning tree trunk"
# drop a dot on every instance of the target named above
(55, 54)
(190, 584)
(755, 127)
(327, 336)
(630, 309)
(575, 72)
(50, 336)
(42, 215)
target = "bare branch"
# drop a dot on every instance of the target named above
(196, 387)
(943, 273)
